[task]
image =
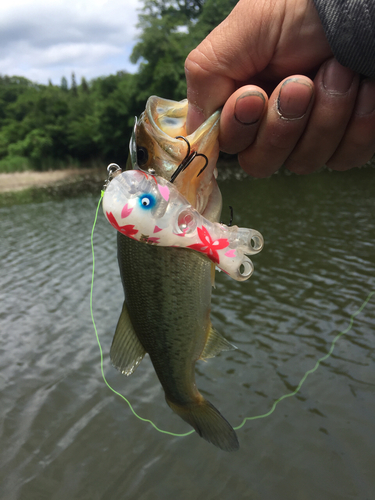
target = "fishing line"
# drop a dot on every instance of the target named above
(309, 372)
(256, 417)
(98, 341)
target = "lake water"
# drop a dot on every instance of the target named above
(65, 435)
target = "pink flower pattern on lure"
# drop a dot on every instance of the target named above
(208, 245)
(151, 204)
(128, 230)
(126, 211)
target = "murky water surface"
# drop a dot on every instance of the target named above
(64, 435)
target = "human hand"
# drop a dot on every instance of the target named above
(304, 124)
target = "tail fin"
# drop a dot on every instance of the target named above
(209, 423)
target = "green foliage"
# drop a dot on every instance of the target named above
(170, 29)
(163, 46)
(44, 126)
(73, 87)
(64, 84)
(14, 164)
(213, 13)
(51, 125)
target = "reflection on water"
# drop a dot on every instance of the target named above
(65, 435)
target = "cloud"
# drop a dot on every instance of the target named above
(44, 40)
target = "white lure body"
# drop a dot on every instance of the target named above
(150, 209)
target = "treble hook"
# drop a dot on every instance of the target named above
(231, 217)
(187, 142)
(189, 157)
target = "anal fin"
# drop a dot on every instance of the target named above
(215, 344)
(126, 350)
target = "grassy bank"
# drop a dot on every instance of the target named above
(35, 187)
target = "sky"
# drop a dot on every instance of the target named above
(45, 40)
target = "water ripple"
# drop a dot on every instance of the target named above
(63, 435)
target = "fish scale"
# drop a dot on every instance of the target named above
(168, 293)
(168, 296)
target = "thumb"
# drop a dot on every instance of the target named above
(236, 50)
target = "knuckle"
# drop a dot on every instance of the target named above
(200, 60)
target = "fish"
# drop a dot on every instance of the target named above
(167, 287)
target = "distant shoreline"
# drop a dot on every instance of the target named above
(34, 187)
(18, 181)
(19, 188)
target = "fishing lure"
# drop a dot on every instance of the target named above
(150, 209)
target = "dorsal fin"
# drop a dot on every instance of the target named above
(126, 350)
(215, 344)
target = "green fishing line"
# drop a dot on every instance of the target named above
(293, 393)
(97, 336)
(309, 372)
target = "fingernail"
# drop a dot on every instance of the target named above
(294, 98)
(194, 118)
(336, 78)
(366, 98)
(249, 107)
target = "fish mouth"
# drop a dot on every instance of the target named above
(160, 146)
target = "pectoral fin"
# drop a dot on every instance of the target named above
(215, 344)
(126, 350)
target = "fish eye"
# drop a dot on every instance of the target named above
(147, 201)
(142, 156)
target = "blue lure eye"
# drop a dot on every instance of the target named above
(147, 201)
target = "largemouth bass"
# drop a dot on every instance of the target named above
(166, 312)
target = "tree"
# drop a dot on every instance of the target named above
(64, 83)
(84, 85)
(170, 29)
(115, 108)
(47, 125)
(73, 87)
